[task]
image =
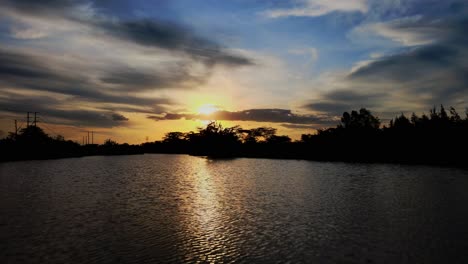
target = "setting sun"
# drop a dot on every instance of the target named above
(207, 109)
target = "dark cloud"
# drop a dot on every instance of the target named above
(299, 126)
(134, 108)
(334, 108)
(177, 77)
(256, 115)
(420, 62)
(119, 117)
(337, 102)
(438, 68)
(172, 37)
(420, 76)
(80, 80)
(24, 71)
(35, 72)
(172, 116)
(148, 33)
(43, 7)
(132, 77)
(46, 106)
(82, 117)
(16, 65)
(346, 96)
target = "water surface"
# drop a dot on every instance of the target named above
(177, 208)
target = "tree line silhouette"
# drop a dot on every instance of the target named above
(439, 138)
(33, 143)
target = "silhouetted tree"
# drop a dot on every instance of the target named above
(359, 120)
(359, 137)
(443, 114)
(109, 142)
(402, 122)
(174, 137)
(415, 120)
(274, 139)
(255, 135)
(307, 138)
(214, 140)
(454, 116)
(33, 143)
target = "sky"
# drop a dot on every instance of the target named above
(133, 70)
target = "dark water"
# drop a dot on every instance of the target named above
(171, 208)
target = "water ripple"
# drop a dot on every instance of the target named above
(182, 209)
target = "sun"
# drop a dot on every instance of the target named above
(207, 109)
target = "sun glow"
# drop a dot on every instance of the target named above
(207, 109)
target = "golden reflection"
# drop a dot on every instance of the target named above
(207, 217)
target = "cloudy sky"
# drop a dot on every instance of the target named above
(133, 70)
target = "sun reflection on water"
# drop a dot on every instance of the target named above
(206, 218)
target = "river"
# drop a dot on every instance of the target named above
(183, 209)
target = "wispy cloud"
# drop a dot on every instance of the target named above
(311, 52)
(172, 37)
(406, 31)
(313, 8)
(24, 71)
(418, 77)
(145, 32)
(101, 64)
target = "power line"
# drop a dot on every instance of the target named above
(48, 128)
(32, 121)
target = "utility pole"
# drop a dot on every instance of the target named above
(92, 137)
(83, 140)
(87, 141)
(16, 128)
(27, 120)
(35, 119)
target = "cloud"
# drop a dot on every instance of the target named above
(172, 37)
(417, 77)
(312, 52)
(131, 79)
(52, 112)
(100, 64)
(407, 31)
(313, 8)
(299, 126)
(27, 33)
(44, 7)
(35, 72)
(119, 117)
(256, 115)
(438, 69)
(152, 33)
(336, 102)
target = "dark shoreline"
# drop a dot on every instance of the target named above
(439, 139)
(274, 157)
